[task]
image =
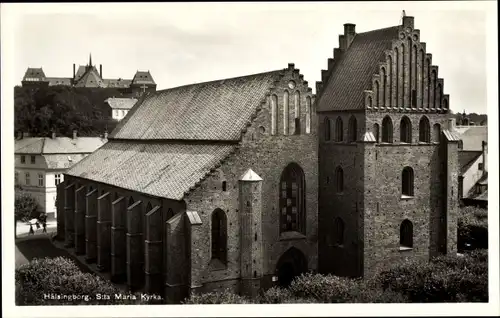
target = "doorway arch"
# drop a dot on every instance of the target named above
(290, 265)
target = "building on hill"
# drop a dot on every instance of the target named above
(119, 107)
(89, 76)
(40, 164)
(246, 182)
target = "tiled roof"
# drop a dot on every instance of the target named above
(91, 78)
(451, 135)
(216, 110)
(34, 73)
(62, 161)
(353, 72)
(58, 145)
(79, 73)
(467, 158)
(159, 169)
(480, 197)
(142, 77)
(117, 82)
(59, 81)
(121, 103)
(472, 136)
(194, 217)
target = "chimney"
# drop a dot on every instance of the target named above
(74, 74)
(75, 133)
(451, 124)
(349, 33)
(408, 22)
(342, 43)
(100, 70)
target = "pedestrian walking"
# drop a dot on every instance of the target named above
(37, 225)
(44, 224)
(31, 230)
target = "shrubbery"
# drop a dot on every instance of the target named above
(472, 228)
(61, 276)
(225, 297)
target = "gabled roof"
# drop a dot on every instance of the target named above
(34, 74)
(121, 103)
(58, 145)
(472, 136)
(159, 169)
(142, 77)
(79, 73)
(467, 159)
(61, 161)
(353, 72)
(91, 78)
(217, 110)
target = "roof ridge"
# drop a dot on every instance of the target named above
(377, 30)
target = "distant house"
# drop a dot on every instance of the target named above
(473, 177)
(89, 76)
(119, 107)
(40, 163)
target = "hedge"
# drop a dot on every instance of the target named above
(472, 228)
(61, 277)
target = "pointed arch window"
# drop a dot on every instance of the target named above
(405, 130)
(338, 232)
(424, 130)
(297, 112)
(292, 199)
(327, 128)
(352, 130)
(339, 129)
(407, 182)
(406, 234)
(339, 180)
(376, 130)
(308, 115)
(387, 130)
(384, 85)
(274, 114)
(219, 235)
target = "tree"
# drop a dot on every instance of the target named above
(25, 208)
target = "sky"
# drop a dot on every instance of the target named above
(183, 43)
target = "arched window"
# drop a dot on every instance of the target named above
(219, 235)
(389, 76)
(338, 232)
(339, 180)
(387, 130)
(274, 114)
(292, 199)
(327, 128)
(436, 132)
(407, 182)
(406, 234)
(297, 113)
(352, 131)
(286, 100)
(424, 130)
(384, 85)
(395, 76)
(308, 114)
(376, 130)
(405, 130)
(460, 144)
(339, 129)
(377, 94)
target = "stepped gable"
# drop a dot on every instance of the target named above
(371, 70)
(217, 110)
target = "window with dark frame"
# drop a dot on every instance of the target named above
(406, 234)
(414, 98)
(339, 180)
(327, 128)
(23, 159)
(352, 130)
(407, 182)
(405, 130)
(424, 130)
(33, 159)
(339, 130)
(387, 130)
(292, 199)
(219, 236)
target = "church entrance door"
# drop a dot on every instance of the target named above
(290, 265)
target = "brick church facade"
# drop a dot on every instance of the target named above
(246, 182)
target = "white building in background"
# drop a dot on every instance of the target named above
(120, 106)
(41, 161)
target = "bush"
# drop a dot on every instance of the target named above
(25, 207)
(444, 279)
(40, 281)
(225, 297)
(472, 228)
(277, 295)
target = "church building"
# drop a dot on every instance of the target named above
(247, 182)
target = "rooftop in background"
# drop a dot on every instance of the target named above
(57, 145)
(472, 136)
(467, 158)
(121, 103)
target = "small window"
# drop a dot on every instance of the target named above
(224, 186)
(460, 144)
(338, 232)
(57, 179)
(219, 236)
(407, 182)
(424, 129)
(352, 130)
(28, 178)
(40, 180)
(480, 166)
(376, 130)
(339, 129)
(405, 130)
(406, 234)
(387, 130)
(23, 159)
(414, 98)
(327, 128)
(33, 159)
(339, 180)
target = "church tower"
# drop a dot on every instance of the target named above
(388, 162)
